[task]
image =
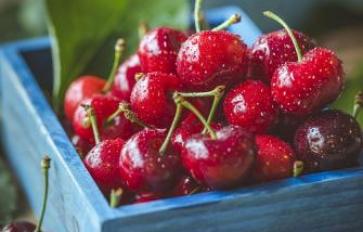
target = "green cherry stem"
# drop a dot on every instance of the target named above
(196, 112)
(279, 20)
(143, 29)
(119, 49)
(198, 15)
(358, 103)
(124, 108)
(176, 119)
(217, 90)
(115, 197)
(92, 118)
(235, 18)
(45, 166)
(298, 168)
(218, 94)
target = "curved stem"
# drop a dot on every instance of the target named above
(218, 94)
(195, 111)
(92, 117)
(119, 48)
(45, 166)
(124, 108)
(115, 197)
(198, 15)
(358, 103)
(177, 116)
(279, 20)
(298, 168)
(217, 90)
(143, 29)
(235, 18)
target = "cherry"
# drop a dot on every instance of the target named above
(151, 98)
(328, 140)
(250, 106)
(19, 226)
(275, 158)
(159, 48)
(125, 78)
(103, 107)
(80, 89)
(210, 58)
(315, 80)
(146, 169)
(82, 146)
(186, 186)
(87, 86)
(102, 164)
(286, 126)
(274, 49)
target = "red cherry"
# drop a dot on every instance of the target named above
(159, 48)
(125, 78)
(146, 197)
(151, 98)
(250, 106)
(186, 186)
(82, 146)
(301, 88)
(222, 162)
(189, 126)
(103, 107)
(275, 158)
(102, 164)
(143, 167)
(274, 49)
(19, 226)
(210, 58)
(80, 89)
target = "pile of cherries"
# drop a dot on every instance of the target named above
(156, 129)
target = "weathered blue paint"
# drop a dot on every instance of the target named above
(327, 201)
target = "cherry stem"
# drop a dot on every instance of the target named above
(279, 20)
(115, 197)
(198, 15)
(124, 108)
(178, 98)
(92, 117)
(218, 94)
(138, 76)
(177, 116)
(235, 18)
(119, 49)
(195, 190)
(216, 91)
(298, 168)
(45, 166)
(358, 103)
(143, 29)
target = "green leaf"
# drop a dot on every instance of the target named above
(84, 32)
(353, 84)
(8, 195)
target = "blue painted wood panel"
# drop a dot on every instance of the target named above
(327, 201)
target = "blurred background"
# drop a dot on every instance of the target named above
(336, 24)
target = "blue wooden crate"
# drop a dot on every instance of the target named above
(326, 201)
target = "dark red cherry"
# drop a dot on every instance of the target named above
(328, 140)
(275, 158)
(102, 164)
(82, 146)
(103, 107)
(120, 127)
(82, 88)
(125, 78)
(143, 168)
(159, 48)
(223, 162)
(250, 106)
(19, 226)
(304, 87)
(186, 186)
(274, 49)
(210, 58)
(151, 98)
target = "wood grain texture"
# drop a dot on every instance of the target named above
(327, 201)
